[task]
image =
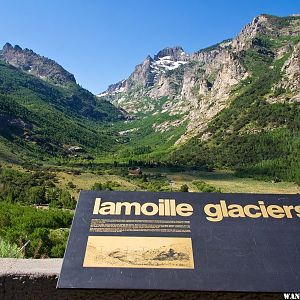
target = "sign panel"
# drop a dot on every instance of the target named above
(184, 241)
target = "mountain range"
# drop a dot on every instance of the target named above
(234, 105)
(198, 86)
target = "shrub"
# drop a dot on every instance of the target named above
(184, 188)
(205, 187)
(34, 225)
(9, 250)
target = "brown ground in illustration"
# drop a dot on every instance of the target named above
(139, 252)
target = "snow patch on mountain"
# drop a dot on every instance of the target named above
(166, 63)
(150, 70)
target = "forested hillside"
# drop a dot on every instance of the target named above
(40, 119)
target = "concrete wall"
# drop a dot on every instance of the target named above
(36, 279)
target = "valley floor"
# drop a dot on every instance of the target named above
(225, 181)
(228, 183)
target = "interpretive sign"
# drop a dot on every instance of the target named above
(184, 241)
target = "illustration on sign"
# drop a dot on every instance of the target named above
(139, 252)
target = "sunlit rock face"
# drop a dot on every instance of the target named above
(197, 86)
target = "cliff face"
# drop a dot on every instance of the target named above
(291, 71)
(196, 87)
(37, 65)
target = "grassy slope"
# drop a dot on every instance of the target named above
(144, 143)
(54, 115)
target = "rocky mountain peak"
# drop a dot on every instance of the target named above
(7, 47)
(35, 64)
(150, 71)
(175, 54)
(169, 59)
(266, 25)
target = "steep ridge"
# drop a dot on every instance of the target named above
(39, 66)
(46, 116)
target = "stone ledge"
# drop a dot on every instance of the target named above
(36, 279)
(18, 266)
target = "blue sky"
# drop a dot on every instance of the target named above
(100, 41)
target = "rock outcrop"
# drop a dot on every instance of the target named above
(291, 69)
